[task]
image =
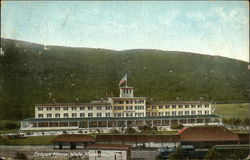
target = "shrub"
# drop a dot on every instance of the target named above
(179, 126)
(130, 131)
(20, 155)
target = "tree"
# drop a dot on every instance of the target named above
(246, 122)
(212, 154)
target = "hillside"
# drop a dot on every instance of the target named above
(31, 73)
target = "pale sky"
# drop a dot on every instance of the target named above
(207, 27)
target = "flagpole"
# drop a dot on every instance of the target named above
(126, 80)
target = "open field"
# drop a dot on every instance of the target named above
(232, 110)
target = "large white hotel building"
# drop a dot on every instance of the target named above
(119, 112)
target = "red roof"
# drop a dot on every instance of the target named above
(73, 138)
(244, 137)
(208, 133)
(137, 138)
(109, 146)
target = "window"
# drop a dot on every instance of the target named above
(173, 106)
(57, 108)
(99, 114)
(118, 102)
(180, 106)
(40, 108)
(167, 106)
(186, 112)
(107, 114)
(65, 108)
(90, 114)
(173, 113)
(49, 115)
(192, 106)
(167, 113)
(129, 114)
(139, 107)
(119, 115)
(186, 106)
(137, 102)
(81, 108)
(74, 115)
(108, 108)
(206, 106)
(193, 112)
(82, 115)
(180, 113)
(49, 108)
(199, 106)
(98, 108)
(206, 111)
(129, 107)
(90, 108)
(40, 115)
(118, 108)
(65, 115)
(141, 101)
(154, 107)
(160, 113)
(73, 108)
(160, 107)
(57, 115)
(199, 112)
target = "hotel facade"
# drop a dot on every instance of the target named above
(118, 113)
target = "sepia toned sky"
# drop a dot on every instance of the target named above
(207, 27)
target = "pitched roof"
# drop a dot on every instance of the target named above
(109, 146)
(208, 133)
(73, 138)
(137, 138)
(244, 137)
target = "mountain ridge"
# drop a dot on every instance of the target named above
(32, 74)
(119, 51)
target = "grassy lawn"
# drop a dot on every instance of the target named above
(38, 140)
(232, 110)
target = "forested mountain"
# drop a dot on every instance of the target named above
(33, 73)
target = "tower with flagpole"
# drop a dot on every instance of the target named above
(126, 91)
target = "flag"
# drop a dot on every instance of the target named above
(124, 79)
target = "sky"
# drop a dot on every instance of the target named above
(206, 27)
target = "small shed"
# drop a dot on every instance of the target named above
(109, 152)
(72, 141)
